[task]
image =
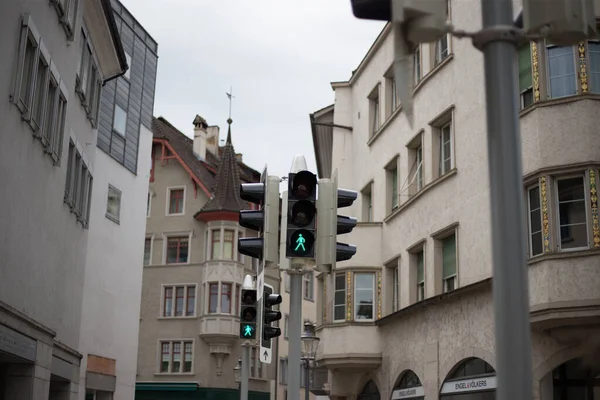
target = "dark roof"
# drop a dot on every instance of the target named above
(204, 170)
(116, 38)
(226, 187)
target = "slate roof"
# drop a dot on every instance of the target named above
(226, 188)
(213, 169)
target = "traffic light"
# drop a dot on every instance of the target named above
(302, 210)
(269, 316)
(265, 220)
(248, 314)
(329, 250)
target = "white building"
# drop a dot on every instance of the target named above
(113, 277)
(411, 315)
(47, 175)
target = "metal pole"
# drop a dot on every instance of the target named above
(294, 330)
(245, 370)
(510, 287)
(306, 379)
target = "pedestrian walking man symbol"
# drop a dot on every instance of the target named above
(300, 242)
(248, 330)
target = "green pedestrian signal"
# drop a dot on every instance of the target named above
(248, 314)
(247, 331)
(301, 242)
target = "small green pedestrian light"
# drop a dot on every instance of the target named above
(248, 331)
(301, 242)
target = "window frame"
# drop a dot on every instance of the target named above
(151, 239)
(234, 293)
(584, 177)
(127, 74)
(159, 352)
(114, 218)
(528, 89)
(547, 47)
(168, 204)
(420, 293)
(396, 288)
(174, 286)
(343, 305)
(233, 241)
(442, 157)
(123, 135)
(454, 277)
(305, 284)
(173, 235)
(354, 290)
(417, 65)
(529, 224)
(374, 101)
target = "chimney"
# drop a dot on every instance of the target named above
(212, 139)
(238, 157)
(200, 137)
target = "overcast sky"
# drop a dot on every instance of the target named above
(279, 55)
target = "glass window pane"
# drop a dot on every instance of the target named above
(363, 281)
(120, 120)
(525, 75)
(449, 256)
(561, 69)
(594, 76)
(213, 297)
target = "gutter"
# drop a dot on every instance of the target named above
(116, 38)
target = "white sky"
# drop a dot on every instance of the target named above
(279, 55)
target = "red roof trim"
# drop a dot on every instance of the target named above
(184, 165)
(218, 216)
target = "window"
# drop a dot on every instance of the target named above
(179, 301)
(392, 185)
(176, 201)
(67, 11)
(308, 286)
(78, 187)
(364, 295)
(147, 251)
(286, 322)
(525, 75)
(417, 64)
(367, 203)
(120, 121)
(88, 81)
(420, 275)
(449, 263)
(374, 110)
(396, 289)
(228, 235)
(562, 80)
(177, 250)
(339, 300)
(419, 161)
(535, 222)
(226, 295)
(226, 298)
(391, 99)
(171, 353)
(573, 230)
(149, 205)
(441, 49)
(39, 93)
(128, 72)
(415, 164)
(594, 76)
(215, 244)
(255, 365)
(283, 371)
(445, 149)
(213, 299)
(113, 204)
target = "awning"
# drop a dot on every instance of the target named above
(167, 386)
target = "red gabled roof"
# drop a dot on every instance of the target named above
(204, 172)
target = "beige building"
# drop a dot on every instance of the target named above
(189, 324)
(411, 315)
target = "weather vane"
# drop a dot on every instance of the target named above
(231, 97)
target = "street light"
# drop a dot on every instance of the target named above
(310, 344)
(237, 373)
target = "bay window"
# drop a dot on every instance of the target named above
(221, 298)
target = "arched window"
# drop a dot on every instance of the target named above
(471, 379)
(575, 380)
(409, 387)
(369, 392)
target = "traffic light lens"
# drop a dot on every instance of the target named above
(301, 241)
(249, 314)
(249, 297)
(247, 331)
(302, 213)
(303, 185)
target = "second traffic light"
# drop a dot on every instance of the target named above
(269, 316)
(302, 212)
(248, 314)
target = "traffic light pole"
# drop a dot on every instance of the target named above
(245, 369)
(295, 327)
(510, 287)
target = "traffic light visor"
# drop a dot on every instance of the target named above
(302, 213)
(303, 185)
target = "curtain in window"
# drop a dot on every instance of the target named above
(525, 76)
(561, 71)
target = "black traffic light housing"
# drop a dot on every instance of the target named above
(380, 10)
(301, 215)
(269, 316)
(345, 198)
(252, 219)
(248, 314)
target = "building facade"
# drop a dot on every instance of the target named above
(193, 273)
(113, 278)
(47, 173)
(410, 316)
